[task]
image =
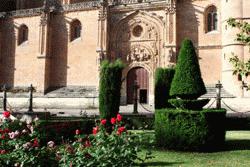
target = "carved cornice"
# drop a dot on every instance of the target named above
(82, 6)
(128, 2)
(21, 13)
(52, 6)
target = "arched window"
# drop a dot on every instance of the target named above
(75, 30)
(23, 33)
(211, 19)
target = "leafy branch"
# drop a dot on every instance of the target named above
(240, 67)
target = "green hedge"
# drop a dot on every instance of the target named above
(190, 130)
(163, 79)
(110, 88)
(189, 104)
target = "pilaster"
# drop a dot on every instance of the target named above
(170, 34)
(44, 48)
(102, 45)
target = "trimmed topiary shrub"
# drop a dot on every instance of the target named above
(110, 88)
(163, 79)
(189, 104)
(187, 82)
(190, 130)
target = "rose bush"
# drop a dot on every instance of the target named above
(102, 148)
(20, 146)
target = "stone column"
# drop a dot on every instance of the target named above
(230, 45)
(102, 45)
(170, 34)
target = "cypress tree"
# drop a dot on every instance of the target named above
(163, 79)
(187, 82)
(110, 88)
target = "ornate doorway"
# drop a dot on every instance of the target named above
(139, 75)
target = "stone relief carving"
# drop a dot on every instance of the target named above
(138, 53)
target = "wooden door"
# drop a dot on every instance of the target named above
(139, 75)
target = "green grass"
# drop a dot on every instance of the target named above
(235, 154)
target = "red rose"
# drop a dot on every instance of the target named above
(87, 143)
(35, 143)
(120, 130)
(113, 121)
(103, 121)
(6, 114)
(77, 131)
(2, 151)
(3, 136)
(119, 117)
(95, 130)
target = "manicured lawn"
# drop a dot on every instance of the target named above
(235, 154)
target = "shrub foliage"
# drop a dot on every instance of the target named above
(163, 79)
(189, 104)
(190, 130)
(187, 82)
(110, 88)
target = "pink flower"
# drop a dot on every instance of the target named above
(6, 114)
(119, 117)
(77, 131)
(27, 145)
(113, 121)
(2, 151)
(11, 135)
(103, 121)
(24, 131)
(95, 130)
(51, 144)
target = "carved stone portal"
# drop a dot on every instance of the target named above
(136, 38)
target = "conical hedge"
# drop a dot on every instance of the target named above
(187, 82)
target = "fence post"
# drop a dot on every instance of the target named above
(4, 98)
(135, 87)
(218, 95)
(31, 98)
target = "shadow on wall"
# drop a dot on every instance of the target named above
(187, 22)
(8, 51)
(7, 5)
(59, 51)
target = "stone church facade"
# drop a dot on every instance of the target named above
(56, 43)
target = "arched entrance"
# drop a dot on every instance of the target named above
(139, 75)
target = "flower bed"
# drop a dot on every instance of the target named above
(106, 146)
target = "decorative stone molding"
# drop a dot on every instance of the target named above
(82, 6)
(22, 13)
(102, 15)
(44, 19)
(170, 9)
(127, 2)
(52, 5)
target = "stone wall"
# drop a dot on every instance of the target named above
(53, 60)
